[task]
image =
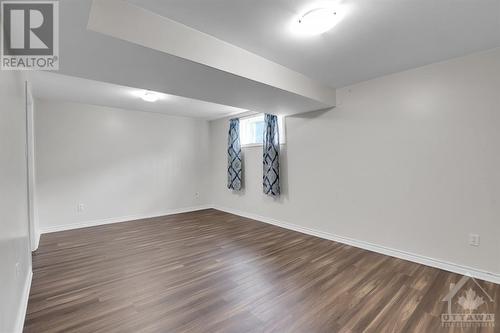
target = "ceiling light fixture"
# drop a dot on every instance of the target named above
(150, 96)
(317, 21)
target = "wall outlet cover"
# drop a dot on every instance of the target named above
(474, 240)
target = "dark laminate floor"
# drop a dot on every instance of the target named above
(210, 271)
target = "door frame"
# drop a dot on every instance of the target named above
(30, 168)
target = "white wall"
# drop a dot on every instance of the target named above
(409, 161)
(120, 164)
(15, 254)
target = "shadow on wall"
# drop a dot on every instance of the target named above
(283, 175)
(284, 150)
(312, 114)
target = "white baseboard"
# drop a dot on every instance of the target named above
(23, 307)
(92, 223)
(437, 263)
(36, 241)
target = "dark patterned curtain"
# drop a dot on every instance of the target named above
(234, 156)
(271, 156)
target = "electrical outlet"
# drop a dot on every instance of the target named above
(18, 269)
(197, 195)
(474, 239)
(80, 208)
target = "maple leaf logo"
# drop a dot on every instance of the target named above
(470, 301)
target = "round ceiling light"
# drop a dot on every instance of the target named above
(150, 96)
(317, 21)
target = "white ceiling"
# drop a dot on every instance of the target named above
(375, 38)
(91, 55)
(113, 18)
(58, 87)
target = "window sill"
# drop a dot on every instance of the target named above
(251, 145)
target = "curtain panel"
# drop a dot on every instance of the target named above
(234, 156)
(271, 156)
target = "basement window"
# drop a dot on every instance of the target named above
(252, 130)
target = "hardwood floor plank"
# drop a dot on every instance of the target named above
(209, 271)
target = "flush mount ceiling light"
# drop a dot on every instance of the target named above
(150, 96)
(316, 21)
